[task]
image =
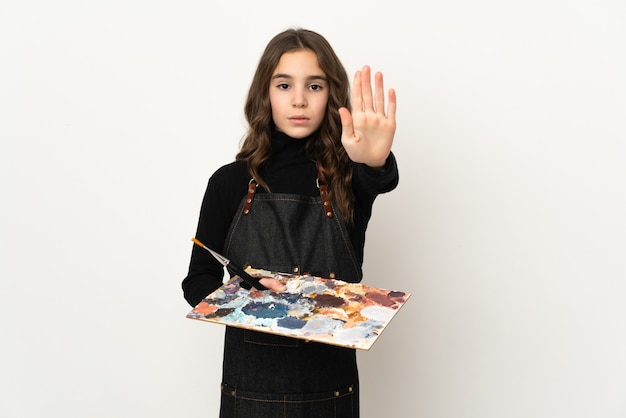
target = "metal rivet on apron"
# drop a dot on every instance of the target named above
(321, 184)
(350, 389)
(296, 269)
(252, 185)
(233, 393)
(331, 275)
(336, 393)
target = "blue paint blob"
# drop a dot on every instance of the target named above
(291, 322)
(288, 297)
(265, 310)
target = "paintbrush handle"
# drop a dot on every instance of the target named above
(245, 276)
(236, 270)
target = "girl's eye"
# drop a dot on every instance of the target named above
(283, 86)
(316, 87)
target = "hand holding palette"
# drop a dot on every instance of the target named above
(312, 308)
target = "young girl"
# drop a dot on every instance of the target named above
(297, 199)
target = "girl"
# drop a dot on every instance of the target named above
(297, 198)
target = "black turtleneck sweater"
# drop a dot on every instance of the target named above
(289, 170)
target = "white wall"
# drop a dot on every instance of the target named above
(508, 223)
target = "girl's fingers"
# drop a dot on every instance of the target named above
(357, 99)
(366, 89)
(273, 284)
(391, 107)
(380, 93)
(364, 100)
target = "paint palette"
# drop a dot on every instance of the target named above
(312, 308)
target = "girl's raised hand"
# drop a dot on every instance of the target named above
(368, 132)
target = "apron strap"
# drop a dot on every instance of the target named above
(320, 182)
(252, 185)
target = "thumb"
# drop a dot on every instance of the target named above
(346, 121)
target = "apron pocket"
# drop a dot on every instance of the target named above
(340, 403)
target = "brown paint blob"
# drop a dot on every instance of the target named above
(380, 299)
(396, 294)
(329, 301)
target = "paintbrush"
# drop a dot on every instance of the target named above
(233, 269)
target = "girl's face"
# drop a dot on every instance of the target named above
(298, 94)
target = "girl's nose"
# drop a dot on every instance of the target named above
(298, 100)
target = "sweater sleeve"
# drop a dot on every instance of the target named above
(221, 199)
(205, 273)
(369, 182)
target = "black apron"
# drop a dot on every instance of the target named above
(269, 376)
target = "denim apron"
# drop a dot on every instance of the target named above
(269, 376)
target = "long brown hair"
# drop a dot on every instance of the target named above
(330, 156)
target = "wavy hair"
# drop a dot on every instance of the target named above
(330, 156)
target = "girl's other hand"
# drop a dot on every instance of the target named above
(367, 133)
(273, 284)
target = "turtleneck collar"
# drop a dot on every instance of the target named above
(290, 169)
(282, 139)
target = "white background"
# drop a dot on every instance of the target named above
(508, 225)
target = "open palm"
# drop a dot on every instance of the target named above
(368, 131)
